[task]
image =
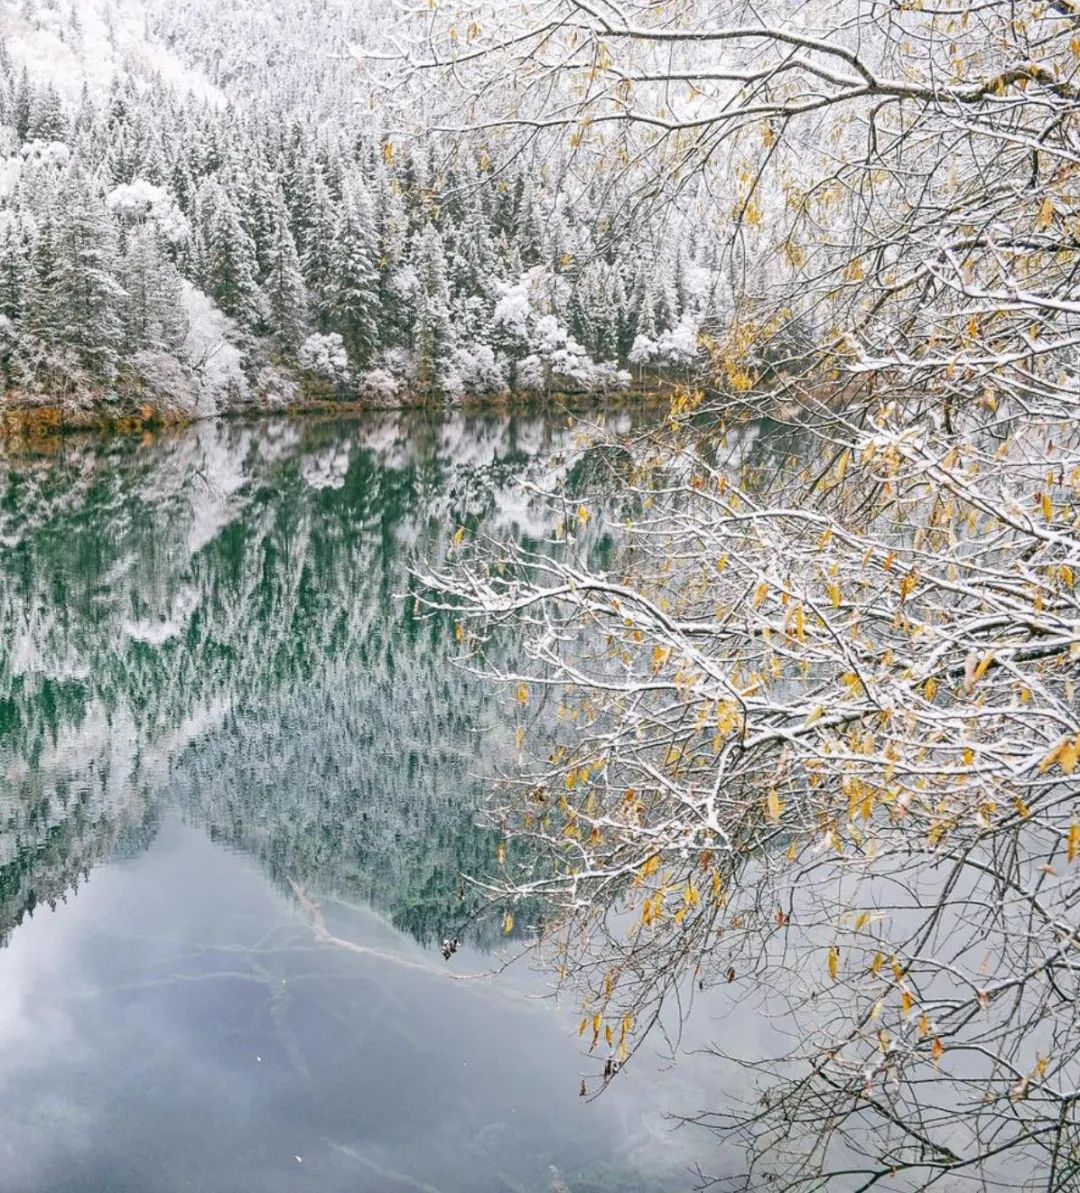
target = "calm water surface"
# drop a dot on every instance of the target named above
(219, 722)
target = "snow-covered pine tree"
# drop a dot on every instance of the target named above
(317, 262)
(432, 334)
(47, 119)
(284, 284)
(153, 312)
(85, 292)
(14, 271)
(352, 298)
(230, 264)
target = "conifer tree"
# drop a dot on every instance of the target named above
(47, 119)
(352, 300)
(14, 272)
(432, 330)
(317, 264)
(22, 106)
(152, 309)
(230, 264)
(286, 298)
(85, 291)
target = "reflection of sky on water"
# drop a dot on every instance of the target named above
(208, 631)
(176, 1026)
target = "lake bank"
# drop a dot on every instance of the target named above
(40, 418)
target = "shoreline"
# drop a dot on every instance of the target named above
(44, 419)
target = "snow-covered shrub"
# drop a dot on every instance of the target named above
(165, 382)
(142, 200)
(275, 388)
(46, 153)
(379, 387)
(475, 369)
(607, 377)
(678, 346)
(643, 350)
(531, 374)
(398, 362)
(210, 353)
(51, 370)
(567, 364)
(325, 357)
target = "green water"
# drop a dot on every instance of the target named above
(220, 720)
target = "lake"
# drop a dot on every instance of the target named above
(240, 780)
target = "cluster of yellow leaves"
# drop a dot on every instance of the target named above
(1065, 754)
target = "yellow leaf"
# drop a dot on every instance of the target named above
(924, 1027)
(1068, 757)
(937, 1051)
(774, 806)
(906, 1003)
(834, 962)
(862, 920)
(500, 853)
(459, 536)
(1051, 758)
(799, 622)
(583, 515)
(651, 866)
(877, 963)
(508, 923)
(1046, 215)
(521, 695)
(1073, 848)
(984, 665)
(1047, 507)
(760, 594)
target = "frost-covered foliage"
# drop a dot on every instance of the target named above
(325, 356)
(324, 246)
(475, 369)
(141, 201)
(379, 387)
(210, 353)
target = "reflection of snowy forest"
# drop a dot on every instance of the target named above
(212, 621)
(159, 241)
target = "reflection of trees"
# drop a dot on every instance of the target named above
(216, 615)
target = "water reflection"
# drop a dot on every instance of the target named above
(215, 615)
(179, 1028)
(207, 679)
